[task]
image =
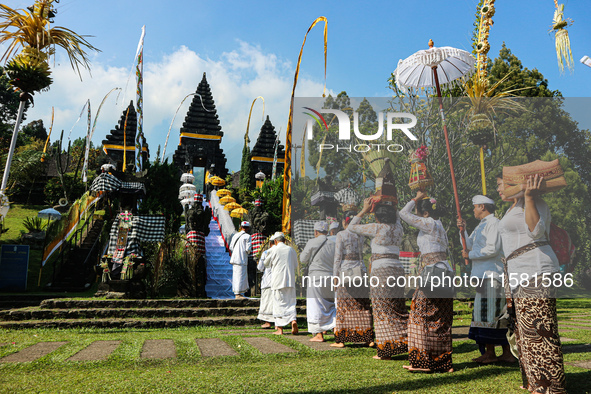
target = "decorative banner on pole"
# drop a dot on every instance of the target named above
(139, 100)
(85, 166)
(303, 157)
(48, 136)
(286, 211)
(277, 141)
(91, 132)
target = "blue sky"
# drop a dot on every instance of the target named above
(250, 49)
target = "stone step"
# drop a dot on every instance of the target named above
(107, 313)
(153, 303)
(137, 323)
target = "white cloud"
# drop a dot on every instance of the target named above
(236, 78)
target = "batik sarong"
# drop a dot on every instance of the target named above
(538, 341)
(390, 315)
(429, 327)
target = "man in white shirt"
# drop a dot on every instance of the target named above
(484, 249)
(240, 248)
(320, 305)
(283, 261)
(266, 305)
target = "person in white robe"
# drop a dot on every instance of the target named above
(320, 306)
(240, 247)
(484, 249)
(283, 261)
(266, 305)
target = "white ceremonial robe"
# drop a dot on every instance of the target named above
(266, 304)
(283, 261)
(240, 247)
(320, 305)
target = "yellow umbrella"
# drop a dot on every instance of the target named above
(238, 212)
(227, 199)
(217, 181)
(231, 206)
(223, 192)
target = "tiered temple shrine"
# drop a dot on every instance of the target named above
(262, 153)
(120, 143)
(201, 135)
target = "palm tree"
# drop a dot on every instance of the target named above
(28, 70)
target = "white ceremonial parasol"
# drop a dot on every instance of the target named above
(433, 68)
(445, 66)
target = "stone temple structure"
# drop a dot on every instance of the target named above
(201, 135)
(262, 153)
(120, 143)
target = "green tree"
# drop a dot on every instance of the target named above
(35, 129)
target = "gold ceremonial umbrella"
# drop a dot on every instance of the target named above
(238, 212)
(217, 181)
(227, 199)
(231, 206)
(223, 192)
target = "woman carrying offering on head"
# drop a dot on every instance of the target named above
(354, 321)
(390, 314)
(430, 319)
(528, 256)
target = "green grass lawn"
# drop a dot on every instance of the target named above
(351, 370)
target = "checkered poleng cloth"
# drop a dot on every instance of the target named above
(133, 186)
(256, 241)
(197, 238)
(407, 259)
(105, 182)
(143, 229)
(303, 231)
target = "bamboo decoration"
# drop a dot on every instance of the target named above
(563, 51)
(286, 211)
(48, 136)
(246, 140)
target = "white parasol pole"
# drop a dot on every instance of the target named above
(451, 164)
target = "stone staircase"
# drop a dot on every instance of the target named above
(219, 271)
(77, 273)
(70, 313)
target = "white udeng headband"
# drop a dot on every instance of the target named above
(479, 199)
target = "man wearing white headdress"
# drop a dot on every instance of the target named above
(484, 248)
(283, 261)
(240, 246)
(333, 229)
(320, 305)
(266, 305)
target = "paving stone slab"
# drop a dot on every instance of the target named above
(582, 364)
(33, 352)
(268, 346)
(568, 326)
(214, 347)
(96, 351)
(565, 339)
(304, 339)
(158, 349)
(583, 348)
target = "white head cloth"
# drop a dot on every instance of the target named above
(480, 199)
(321, 226)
